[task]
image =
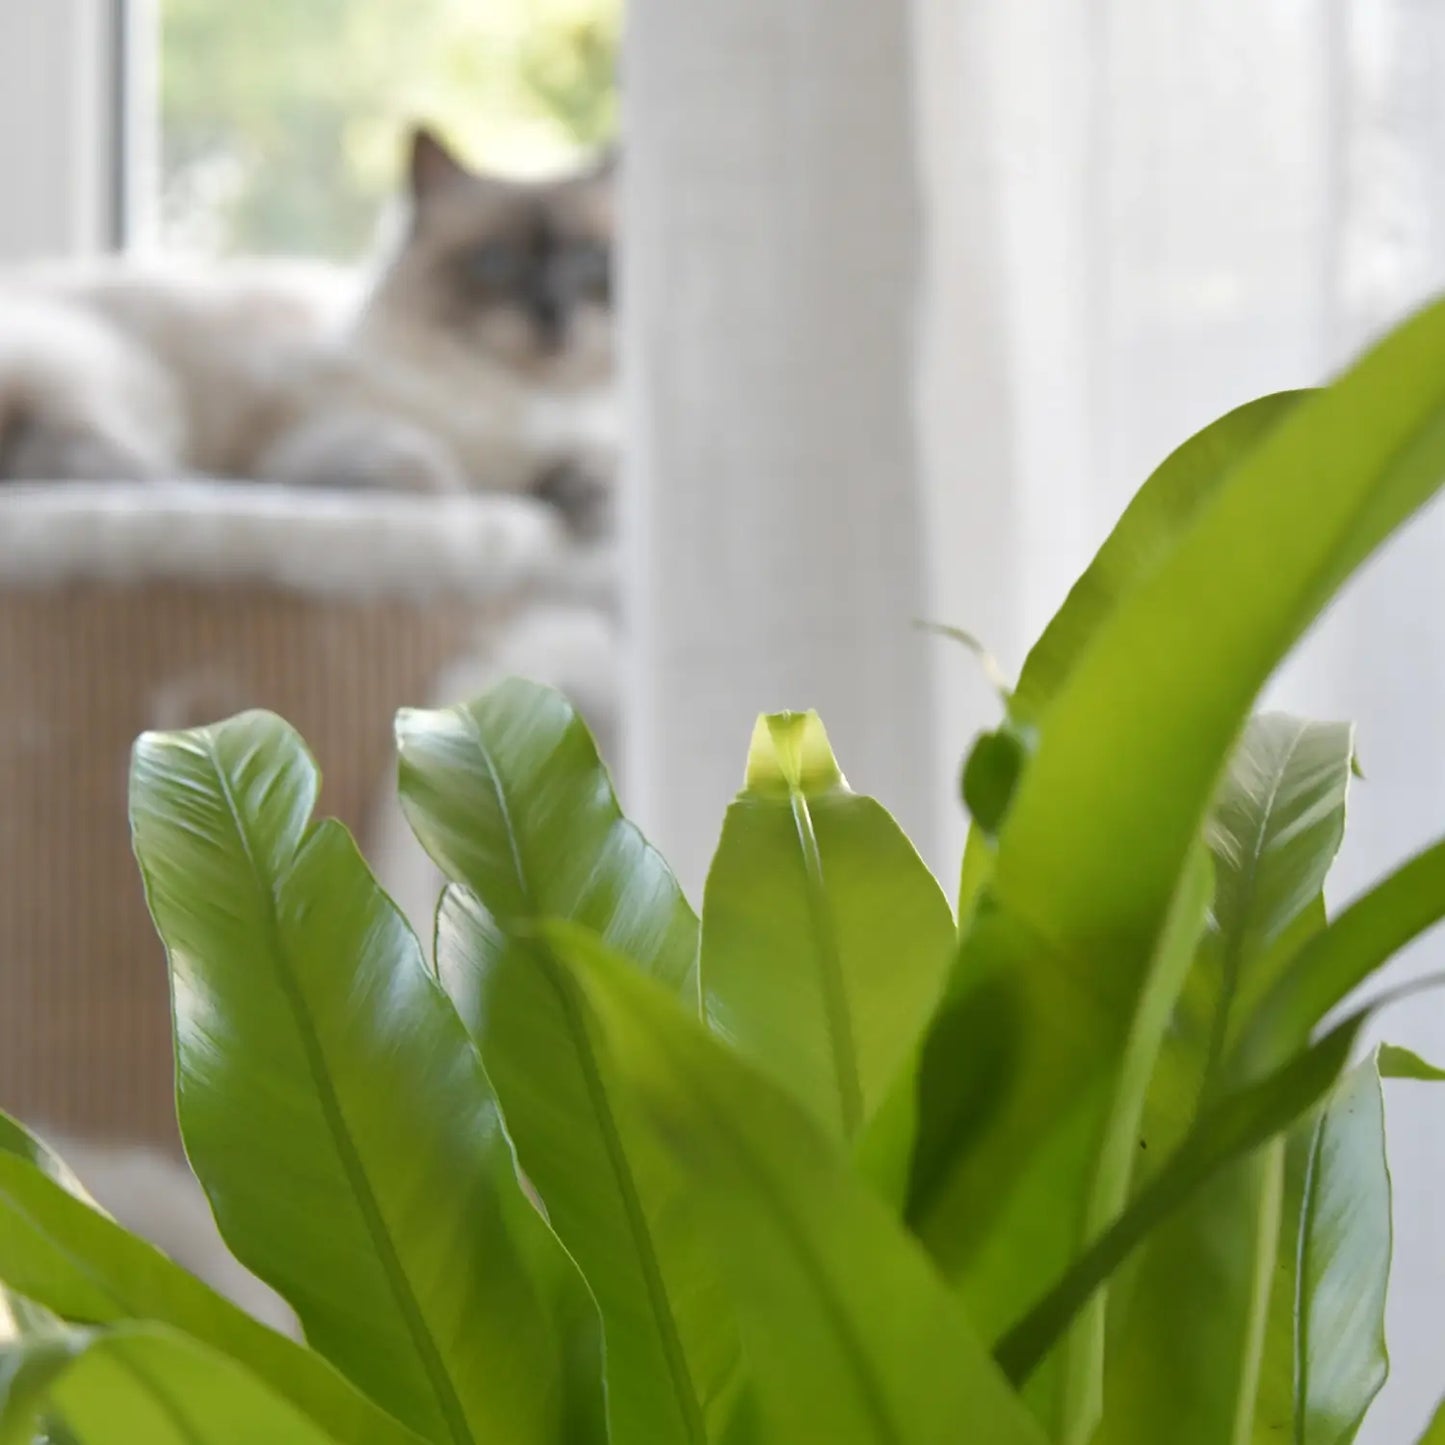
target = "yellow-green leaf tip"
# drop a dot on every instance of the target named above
(789, 753)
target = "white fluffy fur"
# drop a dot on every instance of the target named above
(267, 371)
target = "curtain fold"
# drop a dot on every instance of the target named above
(1185, 207)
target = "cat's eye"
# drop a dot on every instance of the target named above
(495, 265)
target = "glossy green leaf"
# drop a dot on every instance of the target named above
(825, 939)
(508, 796)
(1325, 1357)
(19, 1314)
(1435, 1431)
(1187, 1357)
(1394, 1062)
(1240, 1122)
(618, 1206)
(139, 1384)
(849, 1334)
(1070, 1390)
(1127, 764)
(62, 1254)
(991, 772)
(331, 1102)
(1161, 512)
(1329, 966)
(1328, 1357)
(16, 1140)
(1153, 522)
(1274, 831)
(1324, 970)
(1184, 1336)
(974, 872)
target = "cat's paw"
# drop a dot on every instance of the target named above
(361, 452)
(584, 494)
(35, 450)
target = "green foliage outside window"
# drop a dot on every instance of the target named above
(281, 121)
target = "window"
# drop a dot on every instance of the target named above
(280, 120)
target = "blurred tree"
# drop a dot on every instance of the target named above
(281, 120)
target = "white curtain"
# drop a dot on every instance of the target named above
(772, 264)
(1177, 208)
(919, 297)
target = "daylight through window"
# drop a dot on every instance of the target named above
(280, 121)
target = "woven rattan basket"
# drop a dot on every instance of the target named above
(123, 609)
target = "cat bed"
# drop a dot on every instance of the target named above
(124, 608)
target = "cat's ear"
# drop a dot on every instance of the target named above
(431, 166)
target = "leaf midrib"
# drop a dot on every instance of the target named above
(836, 1011)
(425, 1344)
(679, 1373)
(658, 1297)
(1269, 1216)
(1302, 1264)
(75, 1260)
(1234, 939)
(167, 1403)
(800, 1240)
(514, 841)
(532, 904)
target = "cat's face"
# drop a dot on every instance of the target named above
(518, 271)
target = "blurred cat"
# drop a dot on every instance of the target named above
(477, 353)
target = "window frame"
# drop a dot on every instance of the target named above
(136, 126)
